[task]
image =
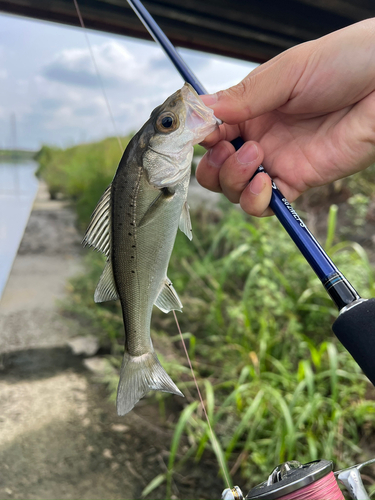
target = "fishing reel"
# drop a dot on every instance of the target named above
(312, 481)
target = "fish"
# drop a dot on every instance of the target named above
(135, 225)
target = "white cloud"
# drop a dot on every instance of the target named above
(67, 94)
(115, 64)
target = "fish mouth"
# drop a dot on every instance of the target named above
(199, 118)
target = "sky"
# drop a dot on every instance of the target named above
(50, 90)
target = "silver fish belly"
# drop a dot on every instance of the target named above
(135, 225)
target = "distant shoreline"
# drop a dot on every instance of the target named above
(11, 155)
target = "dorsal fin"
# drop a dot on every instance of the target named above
(98, 233)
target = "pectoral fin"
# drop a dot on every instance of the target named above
(168, 299)
(185, 222)
(155, 206)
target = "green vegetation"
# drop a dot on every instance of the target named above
(276, 383)
(80, 172)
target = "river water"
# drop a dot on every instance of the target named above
(18, 188)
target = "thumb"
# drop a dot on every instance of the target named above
(265, 89)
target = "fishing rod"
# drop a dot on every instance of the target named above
(354, 325)
(313, 481)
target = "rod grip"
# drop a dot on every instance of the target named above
(355, 329)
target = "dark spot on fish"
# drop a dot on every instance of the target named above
(132, 257)
(133, 246)
(131, 224)
(129, 234)
(133, 273)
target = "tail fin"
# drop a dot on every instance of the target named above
(140, 374)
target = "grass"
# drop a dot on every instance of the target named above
(276, 382)
(283, 388)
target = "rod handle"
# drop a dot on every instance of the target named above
(355, 329)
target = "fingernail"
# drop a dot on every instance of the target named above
(209, 99)
(218, 155)
(257, 185)
(247, 153)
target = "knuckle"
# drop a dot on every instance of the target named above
(240, 93)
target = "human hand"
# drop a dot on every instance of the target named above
(308, 115)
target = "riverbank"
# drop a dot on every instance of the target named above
(60, 437)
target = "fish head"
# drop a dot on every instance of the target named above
(183, 119)
(179, 123)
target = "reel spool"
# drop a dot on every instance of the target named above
(294, 481)
(312, 481)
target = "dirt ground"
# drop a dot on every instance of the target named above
(60, 437)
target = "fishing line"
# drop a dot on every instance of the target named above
(326, 488)
(213, 437)
(98, 75)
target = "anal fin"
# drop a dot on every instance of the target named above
(106, 289)
(168, 299)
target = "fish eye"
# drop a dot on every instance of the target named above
(167, 122)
